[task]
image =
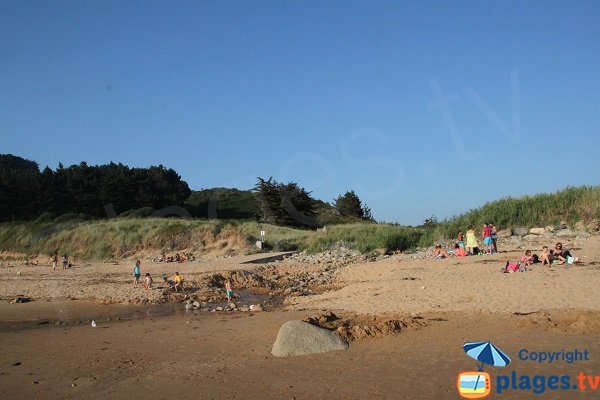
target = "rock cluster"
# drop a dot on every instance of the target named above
(338, 256)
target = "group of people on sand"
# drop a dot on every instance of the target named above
(558, 255)
(176, 258)
(65, 261)
(470, 247)
(146, 283)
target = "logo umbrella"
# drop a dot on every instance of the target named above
(487, 353)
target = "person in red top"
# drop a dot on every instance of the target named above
(487, 239)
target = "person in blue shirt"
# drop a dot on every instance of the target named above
(136, 274)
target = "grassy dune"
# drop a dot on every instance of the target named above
(126, 237)
(570, 205)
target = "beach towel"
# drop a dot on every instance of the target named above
(511, 267)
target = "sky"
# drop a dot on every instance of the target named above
(422, 107)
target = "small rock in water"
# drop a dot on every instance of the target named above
(423, 287)
(196, 304)
(244, 308)
(256, 307)
(219, 308)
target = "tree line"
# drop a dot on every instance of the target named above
(26, 192)
(101, 190)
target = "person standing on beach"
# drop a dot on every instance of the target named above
(136, 274)
(487, 239)
(471, 241)
(65, 260)
(54, 260)
(460, 239)
(494, 238)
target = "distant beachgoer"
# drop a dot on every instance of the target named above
(559, 253)
(54, 261)
(439, 253)
(147, 281)
(471, 241)
(494, 238)
(459, 251)
(460, 239)
(228, 290)
(136, 274)
(527, 259)
(545, 257)
(487, 239)
(65, 261)
(178, 282)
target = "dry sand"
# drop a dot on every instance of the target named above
(218, 355)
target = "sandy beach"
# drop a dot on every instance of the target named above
(144, 349)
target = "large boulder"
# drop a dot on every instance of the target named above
(565, 233)
(537, 231)
(520, 231)
(297, 338)
(505, 233)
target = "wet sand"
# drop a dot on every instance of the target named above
(218, 356)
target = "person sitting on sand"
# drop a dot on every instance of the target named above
(527, 259)
(228, 290)
(545, 257)
(439, 253)
(459, 251)
(560, 254)
(166, 282)
(471, 241)
(147, 281)
(136, 274)
(178, 282)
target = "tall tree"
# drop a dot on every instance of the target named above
(284, 204)
(350, 205)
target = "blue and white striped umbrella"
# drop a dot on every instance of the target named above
(487, 353)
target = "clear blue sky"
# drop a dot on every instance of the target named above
(421, 107)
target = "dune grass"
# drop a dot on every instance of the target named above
(76, 235)
(569, 206)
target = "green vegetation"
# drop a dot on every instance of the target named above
(350, 205)
(131, 234)
(223, 203)
(569, 205)
(26, 193)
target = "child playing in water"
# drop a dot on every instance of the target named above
(228, 290)
(147, 281)
(545, 257)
